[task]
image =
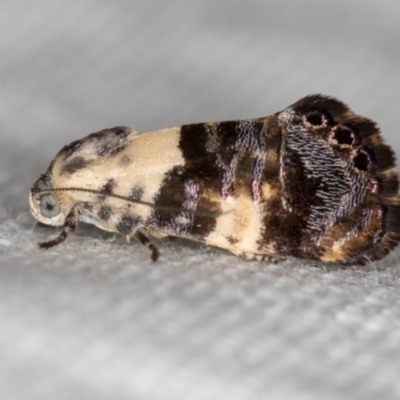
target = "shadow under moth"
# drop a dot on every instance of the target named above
(314, 181)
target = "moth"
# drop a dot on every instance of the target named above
(314, 181)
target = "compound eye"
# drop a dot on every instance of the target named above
(48, 206)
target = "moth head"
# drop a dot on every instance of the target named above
(47, 208)
(45, 202)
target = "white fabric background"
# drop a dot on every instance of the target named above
(93, 318)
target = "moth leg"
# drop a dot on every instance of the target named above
(71, 222)
(145, 241)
